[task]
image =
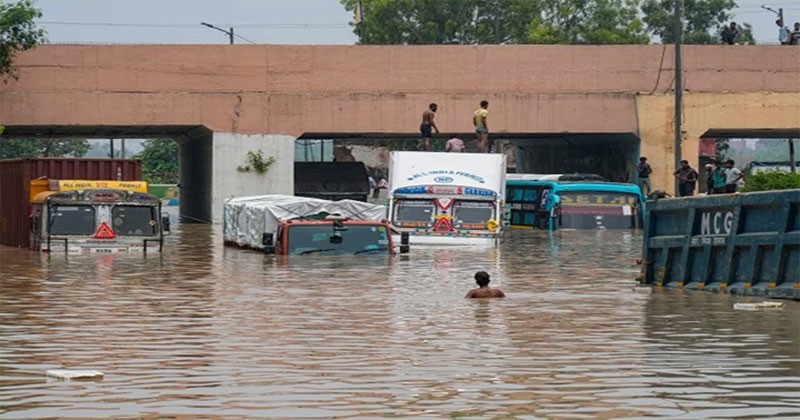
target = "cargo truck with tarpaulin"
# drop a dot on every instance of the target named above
(447, 198)
(289, 225)
(109, 217)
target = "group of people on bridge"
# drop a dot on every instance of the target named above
(479, 120)
(722, 177)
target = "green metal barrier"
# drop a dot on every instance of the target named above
(737, 243)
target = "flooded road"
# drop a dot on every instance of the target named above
(215, 332)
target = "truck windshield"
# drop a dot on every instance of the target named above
(414, 211)
(599, 210)
(307, 239)
(134, 220)
(472, 213)
(71, 220)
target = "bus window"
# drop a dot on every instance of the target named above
(599, 210)
(526, 203)
(71, 220)
(411, 213)
(134, 220)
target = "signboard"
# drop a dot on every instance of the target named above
(72, 185)
(475, 172)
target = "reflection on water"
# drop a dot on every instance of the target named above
(204, 330)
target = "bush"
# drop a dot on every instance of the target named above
(772, 180)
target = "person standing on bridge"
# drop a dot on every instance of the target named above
(479, 120)
(428, 125)
(687, 178)
(733, 177)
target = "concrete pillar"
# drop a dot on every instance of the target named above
(196, 170)
(229, 151)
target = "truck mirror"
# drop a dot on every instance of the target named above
(165, 223)
(336, 239)
(404, 240)
(266, 239)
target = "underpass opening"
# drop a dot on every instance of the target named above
(194, 178)
(753, 150)
(612, 156)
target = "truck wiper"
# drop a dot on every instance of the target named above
(313, 251)
(383, 248)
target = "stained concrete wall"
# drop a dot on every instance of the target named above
(702, 112)
(230, 151)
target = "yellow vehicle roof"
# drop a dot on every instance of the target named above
(42, 196)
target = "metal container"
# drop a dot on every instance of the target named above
(16, 176)
(739, 243)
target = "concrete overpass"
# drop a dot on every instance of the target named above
(220, 102)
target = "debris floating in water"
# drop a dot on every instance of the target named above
(74, 374)
(757, 306)
(643, 289)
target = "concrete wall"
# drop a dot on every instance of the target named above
(230, 152)
(702, 112)
(258, 89)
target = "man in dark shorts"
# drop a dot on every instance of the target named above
(483, 290)
(427, 125)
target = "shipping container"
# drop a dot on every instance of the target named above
(16, 176)
(738, 243)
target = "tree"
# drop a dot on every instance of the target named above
(160, 161)
(702, 20)
(20, 148)
(588, 22)
(499, 21)
(18, 33)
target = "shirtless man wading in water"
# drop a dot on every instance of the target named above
(483, 290)
(427, 124)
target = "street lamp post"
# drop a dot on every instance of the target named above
(229, 32)
(678, 92)
(779, 12)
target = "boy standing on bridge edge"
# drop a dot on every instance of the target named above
(479, 120)
(644, 170)
(427, 125)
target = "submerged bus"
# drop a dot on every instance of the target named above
(95, 217)
(551, 202)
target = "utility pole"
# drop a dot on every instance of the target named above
(228, 32)
(678, 90)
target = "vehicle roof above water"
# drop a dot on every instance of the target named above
(128, 197)
(307, 222)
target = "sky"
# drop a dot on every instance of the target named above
(262, 21)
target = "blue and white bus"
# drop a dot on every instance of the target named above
(572, 202)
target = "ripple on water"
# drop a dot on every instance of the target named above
(207, 331)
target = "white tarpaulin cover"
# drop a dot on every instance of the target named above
(246, 219)
(477, 170)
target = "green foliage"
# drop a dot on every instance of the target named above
(588, 22)
(772, 180)
(17, 33)
(702, 20)
(256, 162)
(160, 164)
(499, 21)
(21, 148)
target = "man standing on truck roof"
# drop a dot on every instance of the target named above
(427, 125)
(483, 290)
(479, 120)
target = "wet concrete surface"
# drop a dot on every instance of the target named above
(208, 331)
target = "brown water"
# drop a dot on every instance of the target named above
(214, 332)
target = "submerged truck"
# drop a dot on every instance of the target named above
(289, 225)
(447, 198)
(109, 217)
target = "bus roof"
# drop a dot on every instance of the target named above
(580, 186)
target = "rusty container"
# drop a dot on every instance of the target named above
(16, 176)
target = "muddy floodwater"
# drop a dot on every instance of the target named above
(205, 331)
